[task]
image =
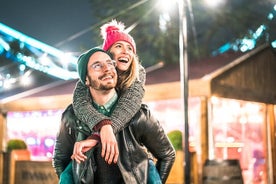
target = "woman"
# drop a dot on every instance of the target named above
(130, 81)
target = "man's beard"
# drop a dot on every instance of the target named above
(97, 86)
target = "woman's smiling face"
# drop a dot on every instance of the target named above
(123, 54)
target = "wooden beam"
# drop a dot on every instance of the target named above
(37, 103)
(2, 133)
(162, 91)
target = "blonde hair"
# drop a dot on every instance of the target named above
(126, 78)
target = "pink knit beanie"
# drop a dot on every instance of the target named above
(115, 31)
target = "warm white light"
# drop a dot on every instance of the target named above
(45, 60)
(68, 59)
(163, 20)
(49, 142)
(213, 3)
(243, 120)
(214, 100)
(7, 84)
(165, 5)
(26, 80)
(22, 67)
(8, 81)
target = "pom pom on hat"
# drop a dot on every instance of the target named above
(115, 31)
(111, 26)
(83, 61)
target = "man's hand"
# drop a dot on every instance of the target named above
(81, 147)
(110, 151)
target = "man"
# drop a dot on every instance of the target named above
(143, 131)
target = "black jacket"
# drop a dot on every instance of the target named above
(143, 131)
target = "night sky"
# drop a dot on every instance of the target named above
(51, 21)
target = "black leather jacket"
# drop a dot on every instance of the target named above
(143, 131)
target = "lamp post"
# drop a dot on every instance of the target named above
(183, 61)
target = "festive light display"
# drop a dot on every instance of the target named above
(35, 55)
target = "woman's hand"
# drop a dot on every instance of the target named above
(81, 147)
(110, 151)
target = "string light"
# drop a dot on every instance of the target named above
(248, 42)
(35, 55)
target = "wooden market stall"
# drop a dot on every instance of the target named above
(250, 76)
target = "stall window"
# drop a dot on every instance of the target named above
(37, 128)
(170, 115)
(239, 132)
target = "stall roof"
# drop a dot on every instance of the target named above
(250, 77)
(45, 85)
(197, 68)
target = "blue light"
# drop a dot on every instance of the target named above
(259, 32)
(38, 48)
(248, 42)
(26, 39)
(270, 16)
(2, 49)
(22, 67)
(273, 44)
(4, 44)
(222, 49)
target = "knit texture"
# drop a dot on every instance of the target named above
(115, 31)
(101, 124)
(128, 104)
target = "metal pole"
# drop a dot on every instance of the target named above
(183, 59)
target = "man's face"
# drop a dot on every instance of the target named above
(101, 72)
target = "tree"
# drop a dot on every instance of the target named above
(232, 20)
(208, 29)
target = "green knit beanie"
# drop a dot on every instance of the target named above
(83, 61)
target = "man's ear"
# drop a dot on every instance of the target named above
(86, 81)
